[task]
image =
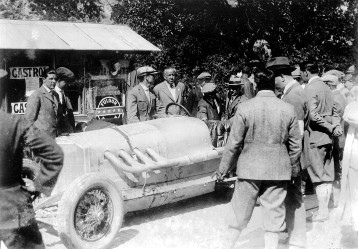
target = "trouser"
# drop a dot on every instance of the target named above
(28, 237)
(272, 197)
(296, 214)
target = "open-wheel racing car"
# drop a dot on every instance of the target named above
(115, 170)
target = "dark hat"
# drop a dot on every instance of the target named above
(146, 70)
(204, 75)
(208, 88)
(64, 73)
(280, 65)
(234, 81)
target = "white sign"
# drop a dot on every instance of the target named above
(18, 107)
(20, 73)
(108, 102)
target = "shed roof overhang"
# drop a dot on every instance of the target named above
(17, 34)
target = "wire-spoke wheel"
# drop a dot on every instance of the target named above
(90, 212)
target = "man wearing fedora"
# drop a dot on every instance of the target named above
(235, 95)
(338, 142)
(265, 145)
(141, 102)
(169, 91)
(290, 91)
(323, 124)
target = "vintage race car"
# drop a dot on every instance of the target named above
(115, 170)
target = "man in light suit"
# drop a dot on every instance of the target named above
(141, 101)
(290, 91)
(265, 146)
(323, 124)
(43, 109)
(338, 142)
(169, 91)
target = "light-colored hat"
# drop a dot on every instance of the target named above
(208, 88)
(146, 70)
(335, 72)
(351, 69)
(234, 81)
(204, 75)
(330, 79)
(296, 73)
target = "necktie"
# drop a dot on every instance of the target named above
(55, 97)
(147, 94)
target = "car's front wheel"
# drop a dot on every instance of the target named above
(90, 213)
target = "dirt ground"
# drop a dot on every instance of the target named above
(202, 223)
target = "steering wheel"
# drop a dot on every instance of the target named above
(182, 107)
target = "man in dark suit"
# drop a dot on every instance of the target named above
(43, 109)
(323, 123)
(169, 91)
(66, 122)
(234, 96)
(265, 146)
(338, 142)
(290, 91)
(141, 101)
(18, 227)
(208, 107)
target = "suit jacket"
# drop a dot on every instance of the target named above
(230, 108)
(15, 205)
(322, 116)
(265, 141)
(340, 104)
(138, 107)
(207, 111)
(43, 112)
(165, 97)
(67, 119)
(296, 97)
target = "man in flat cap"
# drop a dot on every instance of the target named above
(208, 108)
(235, 95)
(290, 91)
(323, 124)
(340, 75)
(170, 91)
(43, 110)
(338, 142)
(196, 95)
(265, 145)
(141, 102)
(66, 119)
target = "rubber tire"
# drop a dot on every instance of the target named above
(68, 204)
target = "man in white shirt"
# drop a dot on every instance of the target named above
(170, 91)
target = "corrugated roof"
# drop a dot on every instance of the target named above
(16, 34)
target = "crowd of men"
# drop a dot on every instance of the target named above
(282, 124)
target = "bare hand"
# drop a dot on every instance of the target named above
(29, 186)
(219, 176)
(338, 131)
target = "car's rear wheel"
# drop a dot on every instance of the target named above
(90, 212)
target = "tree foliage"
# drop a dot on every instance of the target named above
(218, 36)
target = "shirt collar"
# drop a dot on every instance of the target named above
(145, 88)
(313, 78)
(47, 89)
(57, 89)
(168, 85)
